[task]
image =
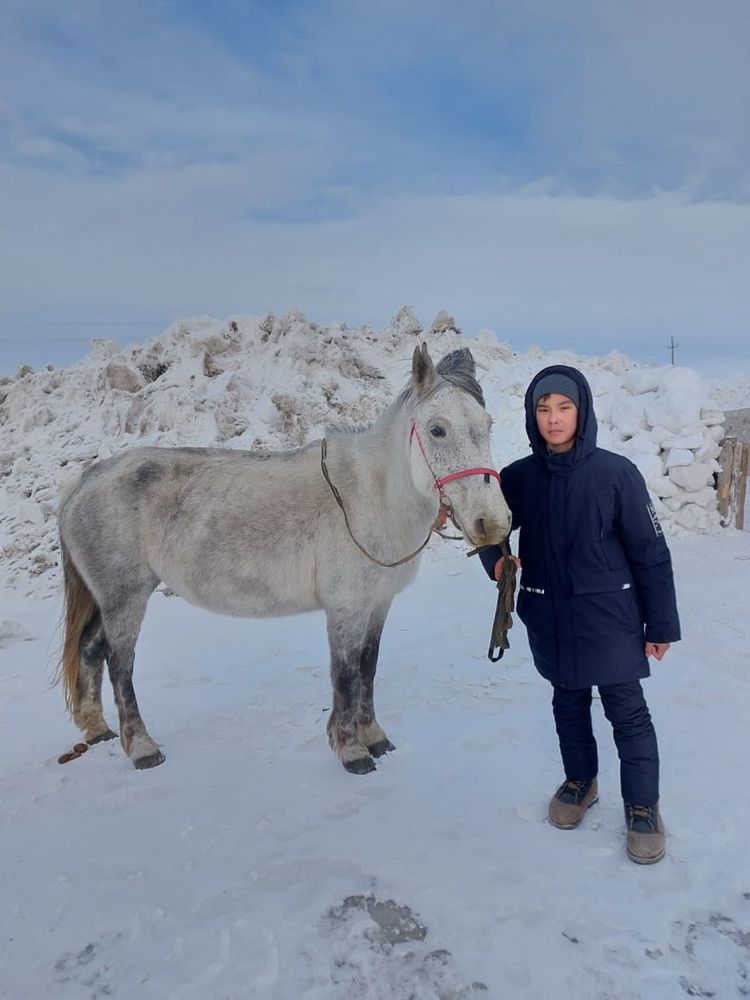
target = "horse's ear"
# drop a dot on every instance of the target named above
(423, 374)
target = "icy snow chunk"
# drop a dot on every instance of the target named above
(695, 518)
(710, 449)
(405, 323)
(606, 439)
(692, 477)
(661, 486)
(500, 350)
(617, 362)
(604, 406)
(123, 377)
(641, 443)
(628, 416)
(442, 322)
(640, 380)
(705, 497)
(603, 382)
(679, 456)
(691, 441)
(39, 416)
(650, 467)
(680, 402)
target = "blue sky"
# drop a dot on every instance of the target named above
(571, 175)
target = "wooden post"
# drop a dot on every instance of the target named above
(744, 449)
(724, 482)
(732, 482)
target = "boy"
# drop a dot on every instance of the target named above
(596, 596)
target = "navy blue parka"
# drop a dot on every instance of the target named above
(596, 573)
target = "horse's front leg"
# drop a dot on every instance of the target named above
(347, 631)
(369, 731)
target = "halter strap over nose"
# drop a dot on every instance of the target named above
(439, 483)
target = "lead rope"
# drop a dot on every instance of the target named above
(444, 512)
(506, 587)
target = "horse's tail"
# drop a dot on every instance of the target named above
(78, 609)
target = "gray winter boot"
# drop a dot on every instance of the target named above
(569, 803)
(645, 834)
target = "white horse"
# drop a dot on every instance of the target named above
(335, 525)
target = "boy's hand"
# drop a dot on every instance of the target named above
(499, 565)
(657, 649)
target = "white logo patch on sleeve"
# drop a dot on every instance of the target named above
(658, 530)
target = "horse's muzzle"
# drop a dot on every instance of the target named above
(487, 531)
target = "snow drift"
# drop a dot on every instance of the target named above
(275, 383)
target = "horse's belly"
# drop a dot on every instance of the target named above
(248, 605)
(260, 595)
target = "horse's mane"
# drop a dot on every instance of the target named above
(459, 369)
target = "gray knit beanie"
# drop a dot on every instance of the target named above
(555, 382)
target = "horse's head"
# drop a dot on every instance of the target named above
(450, 444)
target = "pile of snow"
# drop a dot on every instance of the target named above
(276, 383)
(729, 393)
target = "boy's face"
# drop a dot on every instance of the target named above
(557, 420)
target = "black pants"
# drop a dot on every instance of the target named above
(635, 738)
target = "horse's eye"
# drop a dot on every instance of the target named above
(437, 431)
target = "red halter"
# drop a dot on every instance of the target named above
(439, 483)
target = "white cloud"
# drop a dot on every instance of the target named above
(161, 152)
(526, 264)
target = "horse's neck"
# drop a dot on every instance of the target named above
(391, 473)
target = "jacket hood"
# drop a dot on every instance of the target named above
(585, 442)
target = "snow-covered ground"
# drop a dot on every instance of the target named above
(250, 864)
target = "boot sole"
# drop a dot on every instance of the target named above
(646, 861)
(573, 826)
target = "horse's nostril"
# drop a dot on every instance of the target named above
(481, 530)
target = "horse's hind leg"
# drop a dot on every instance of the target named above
(87, 711)
(368, 729)
(122, 622)
(346, 634)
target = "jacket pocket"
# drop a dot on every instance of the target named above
(605, 602)
(535, 610)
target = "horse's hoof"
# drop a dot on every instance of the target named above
(106, 735)
(381, 747)
(152, 760)
(362, 765)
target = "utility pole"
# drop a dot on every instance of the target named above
(672, 347)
